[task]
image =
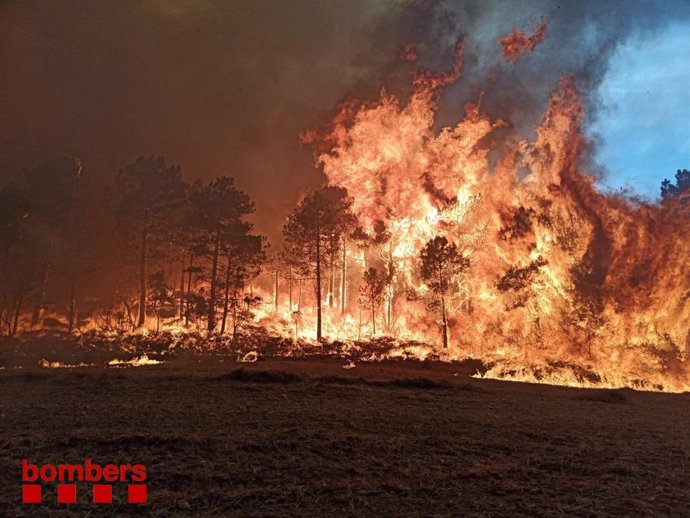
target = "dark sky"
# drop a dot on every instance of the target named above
(224, 87)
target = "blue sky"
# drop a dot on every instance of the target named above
(645, 123)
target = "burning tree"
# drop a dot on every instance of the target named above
(441, 264)
(313, 235)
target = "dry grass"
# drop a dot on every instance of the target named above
(309, 438)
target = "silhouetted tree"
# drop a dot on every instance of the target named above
(243, 311)
(669, 190)
(290, 264)
(160, 296)
(441, 263)
(276, 266)
(217, 219)
(381, 238)
(245, 256)
(517, 280)
(15, 271)
(371, 292)
(53, 194)
(313, 233)
(149, 194)
(353, 237)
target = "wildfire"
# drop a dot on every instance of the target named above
(61, 365)
(115, 362)
(560, 274)
(464, 242)
(134, 362)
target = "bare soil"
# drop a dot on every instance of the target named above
(311, 438)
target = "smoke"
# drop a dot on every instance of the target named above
(582, 36)
(225, 87)
(581, 40)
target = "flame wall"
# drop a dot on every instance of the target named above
(560, 273)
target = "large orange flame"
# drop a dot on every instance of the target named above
(563, 278)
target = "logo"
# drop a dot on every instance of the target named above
(93, 478)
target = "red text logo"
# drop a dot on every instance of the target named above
(99, 481)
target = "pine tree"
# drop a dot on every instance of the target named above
(313, 234)
(441, 263)
(218, 222)
(371, 292)
(149, 194)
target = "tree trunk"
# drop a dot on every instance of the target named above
(17, 312)
(141, 319)
(3, 276)
(318, 285)
(373, 319)
(331, 282)
(444, 322)
(226, 299)
(214, 287)
(5, 262)
(275, 294)
(6, 314)
(290, 287)
(40, 299)
(182, 287)
(72, 303)
(389, 305)
(389, 308)
(343, 286)
(234, 322)
(130, 320)
(189, 290)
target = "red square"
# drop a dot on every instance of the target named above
(31, 493)
(67, 493)
(102, 494)
(136, 493)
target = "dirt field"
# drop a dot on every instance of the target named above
(310, 438)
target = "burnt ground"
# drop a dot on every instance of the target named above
(310, 438)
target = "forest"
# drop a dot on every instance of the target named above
(186, 255)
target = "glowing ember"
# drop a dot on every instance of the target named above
(250, 357)
(134, 362)
(60, 365)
